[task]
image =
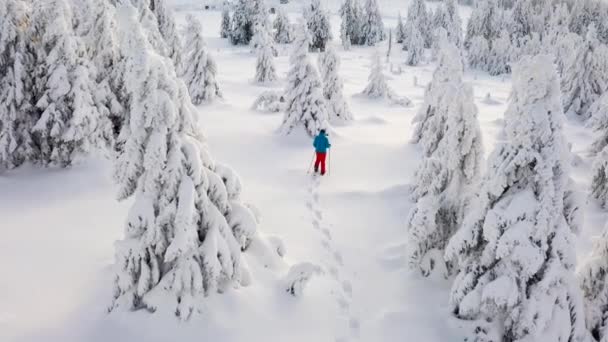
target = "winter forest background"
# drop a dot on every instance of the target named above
(153, 158)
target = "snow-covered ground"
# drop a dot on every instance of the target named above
(350, 223)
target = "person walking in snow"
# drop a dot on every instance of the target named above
(321, 145)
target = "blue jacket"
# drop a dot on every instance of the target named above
(321, 143)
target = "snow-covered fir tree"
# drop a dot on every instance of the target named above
(515, 249)
(417, 18)
(200, 67)
(581, 16)
(447, 130)
(400, 30)
(500, 55)
(305, 105)
(598, 121)
(377, 86)
(585, 78)
(444, 181)
(594, 283)
(168, 29)
(16, 121)
(333, 88)
(372, 26)
(523, 17)
(151, 28)
(265, 70)
(283, 30)
(350, 27)
(102, 50)
(183, 240)
(429, 122)
(453, 22)
(415, 47)
(478, 53)
(67, 116)
(484, 22)
(225, 29)
(241, 30)
(317, 19)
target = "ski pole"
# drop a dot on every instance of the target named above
(312, 161)
(329, 162)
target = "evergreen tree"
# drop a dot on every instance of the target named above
(201, 69)
(478, 54)
(377, 87)
(484, 22)
(16, 119)
(265, 70)
(186, 228)
(417, 18)
(329, 65)
(241, 30)
(431, 118)
(400, 30)
(283, 30)
(598, 120)
(225, 29)
(515, 249)
(415, 48)
(350, 28)
(444, 181)
(581, 16)
(168, 30)
(67, 115)
(523, 12)
(102, 49)
(500, 55)
(585, 78)
(151, 28)
(594, 284)
(305, 104)
(317, 19)
(446, 128)
(372, 27)
(454, 23)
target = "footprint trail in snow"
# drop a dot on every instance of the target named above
(333, 263)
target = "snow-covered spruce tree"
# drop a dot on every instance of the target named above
(523, 17)
(102, 49)
(317, 19)
(500, 55)
(483, 22)
(305, 105)
(184, 239)
(585, 78)
(598, 121)
(454, 22)
(67, 115)
(415, 47)
(283, 31)
(350, 27)
(431, 118)
(417, 17)
(329, 65)
(265, 70)
(16, 119)
(149, 23)
(372, 27)
(594, 282)
(443, 183)
(377, 87)
(168, 29)
(225, 28)
(581, 16)
(400, 30)
(515, 249)
(201, 69)
(478, 54)
(241, 30)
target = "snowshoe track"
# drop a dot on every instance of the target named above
(334, 262)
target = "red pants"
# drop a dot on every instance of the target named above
(320, 160)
